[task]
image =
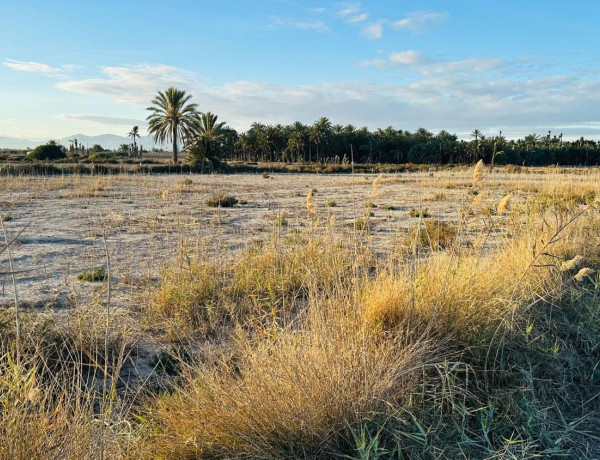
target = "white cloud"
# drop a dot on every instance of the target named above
(458, 101)
(30, 66)
(409, 58)
(317, 25)
(419, 20)
(102, 119)
(131, 84)
(426, 65)
(373, 31)
(352, 13)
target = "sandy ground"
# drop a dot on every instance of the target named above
(144, 221)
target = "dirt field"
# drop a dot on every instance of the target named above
(145, 220)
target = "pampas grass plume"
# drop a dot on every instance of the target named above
(571, 264)
(581, 274)
(503, 205)
(478, 173)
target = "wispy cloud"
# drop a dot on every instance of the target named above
(352, 13)
(373, 31)
(419, 20)
(317, 25)
(31, 66)
(102, 119)
(426, 65)
(457, 101)
(131, 84)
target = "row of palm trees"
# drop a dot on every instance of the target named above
(173, 118)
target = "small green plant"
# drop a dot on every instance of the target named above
(370, 205)
(421, 212)
(99, 274)
(362, 224)
(6, 218)
(222, 201)
(332, 204)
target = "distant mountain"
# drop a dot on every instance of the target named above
(107, 141)
(14, 143)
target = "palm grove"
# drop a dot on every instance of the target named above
(176, 120)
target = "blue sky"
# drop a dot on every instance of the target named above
(92, 67)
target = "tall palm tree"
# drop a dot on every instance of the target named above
(172, 118)
(320, 132)
(135, 132)
(207, 141)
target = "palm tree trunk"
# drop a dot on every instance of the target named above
(175, 143)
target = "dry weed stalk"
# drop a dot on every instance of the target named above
(310, 204)
(478, 173)
(376, 184)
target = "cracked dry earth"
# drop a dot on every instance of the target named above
(63, 225)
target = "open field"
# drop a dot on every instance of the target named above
(416, 315)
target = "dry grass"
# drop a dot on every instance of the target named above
(473, 336)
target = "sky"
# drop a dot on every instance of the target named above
(92, 67)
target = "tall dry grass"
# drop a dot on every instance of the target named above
(319, 344)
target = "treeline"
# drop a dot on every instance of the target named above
(327, 143)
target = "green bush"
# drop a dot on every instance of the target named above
(221, 201)
(98, 274)
(49, 151)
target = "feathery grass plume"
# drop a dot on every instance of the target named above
(478, 173)
(376, 183)
(477, 200)
(165, 194)
(310, 204)
(571, 264)
(503, 205)
(581, 274)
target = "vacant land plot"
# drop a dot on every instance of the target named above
(418, 314)
(145, 220)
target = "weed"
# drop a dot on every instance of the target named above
(221, 201)
(98, 274)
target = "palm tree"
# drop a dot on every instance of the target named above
(172, 118)
(135, 132)
(477, 135)
(206, 143)
(319, 132)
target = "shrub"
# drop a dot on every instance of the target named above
(222, 201)
(435, 234)
(49, 151)
(421, 212)
(99, 274)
